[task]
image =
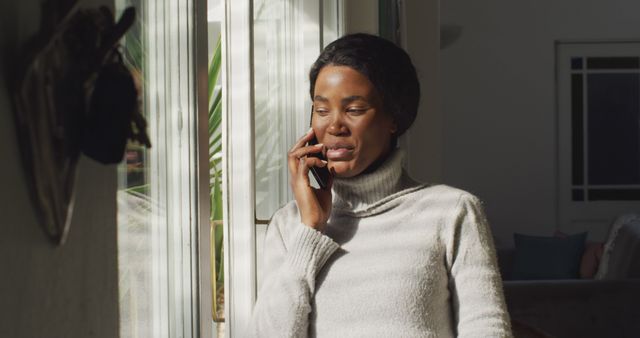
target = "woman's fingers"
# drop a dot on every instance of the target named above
(292, 158)
(296, 154)
(303, 140)
(305, 163)
(313, 204)
(304, 151)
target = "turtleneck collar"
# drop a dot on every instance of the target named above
(369, 193)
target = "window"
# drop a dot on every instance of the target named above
(268, 47)
(157, 200)
(599, 129)
(605, 111)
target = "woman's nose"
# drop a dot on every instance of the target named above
(337, 126)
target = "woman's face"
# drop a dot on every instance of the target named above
(348, 119)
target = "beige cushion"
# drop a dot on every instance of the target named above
(621, 256)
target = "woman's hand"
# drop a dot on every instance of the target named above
(314, 204)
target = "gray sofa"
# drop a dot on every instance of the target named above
(606, 307)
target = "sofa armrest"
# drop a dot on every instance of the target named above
(577, 307)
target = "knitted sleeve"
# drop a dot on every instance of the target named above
(474, 278)
(290, 265)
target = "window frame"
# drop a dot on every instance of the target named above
(238, 168)
(594, 216)
(173, 91)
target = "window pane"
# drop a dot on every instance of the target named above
(576, 63)
(276, 118)
(613, 128)
(156, 197)
(287, 37)
(614, 194)
(135, 249)
(613, 62)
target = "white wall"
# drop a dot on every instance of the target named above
(69, 291)
(497, 84)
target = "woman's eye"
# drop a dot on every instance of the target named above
(356, 110)
(321, 111)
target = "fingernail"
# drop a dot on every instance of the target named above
(310, 130)
(319, 145)
(323, 161)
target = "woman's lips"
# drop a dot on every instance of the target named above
(341, 153)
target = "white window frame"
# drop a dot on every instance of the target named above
(171, 93)
(176, 101)
(238, 164)
(576, 216)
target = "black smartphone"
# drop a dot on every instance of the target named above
(321, 174)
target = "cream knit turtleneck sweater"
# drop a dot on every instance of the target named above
(397, 259)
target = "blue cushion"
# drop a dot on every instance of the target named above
(539, 257)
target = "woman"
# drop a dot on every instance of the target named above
(375, 254)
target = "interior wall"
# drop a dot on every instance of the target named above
(361, 16)
(498, 100)
(424, 140)
(48, 291)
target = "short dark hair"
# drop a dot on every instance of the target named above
(386, 65)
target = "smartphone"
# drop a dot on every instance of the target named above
(321, 174)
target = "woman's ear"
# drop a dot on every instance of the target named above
(394, 127)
